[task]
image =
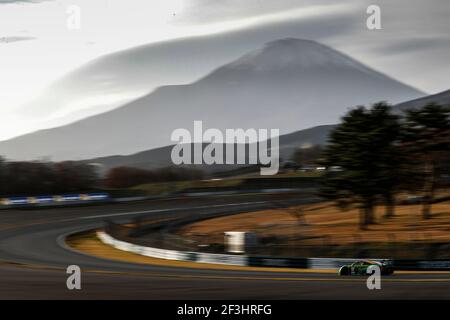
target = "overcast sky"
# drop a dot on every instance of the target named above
(37, 48)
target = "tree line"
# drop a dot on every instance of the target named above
(380, 154)
(37, 178)
(124, 177)
(30, 178)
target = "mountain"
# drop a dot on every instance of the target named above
(114, 79)
(289, 84)
(441, 98)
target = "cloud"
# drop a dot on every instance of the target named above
(12, 39)
(415, 44)
(206, 11)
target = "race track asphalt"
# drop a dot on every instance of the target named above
(33, 262)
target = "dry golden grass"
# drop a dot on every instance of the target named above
(324, 222)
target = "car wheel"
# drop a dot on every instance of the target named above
(344, 271)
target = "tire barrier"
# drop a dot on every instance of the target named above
(54, 200)
(278, 262)
(86, 198)
(255, 261)
(417, 265)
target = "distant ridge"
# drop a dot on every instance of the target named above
(441, 98)
(160, 157)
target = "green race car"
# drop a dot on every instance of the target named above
(361, 268)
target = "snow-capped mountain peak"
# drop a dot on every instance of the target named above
(291, 53)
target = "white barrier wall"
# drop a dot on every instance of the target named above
(173, 254)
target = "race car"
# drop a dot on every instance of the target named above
(361, 268)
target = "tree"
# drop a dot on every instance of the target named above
(3, 176)
(125, 177)
(307, 156)
(389, 155)
(362, 146)
(74, 176)
(37, 178)
(427, 140)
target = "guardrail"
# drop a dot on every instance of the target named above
(244, 260)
